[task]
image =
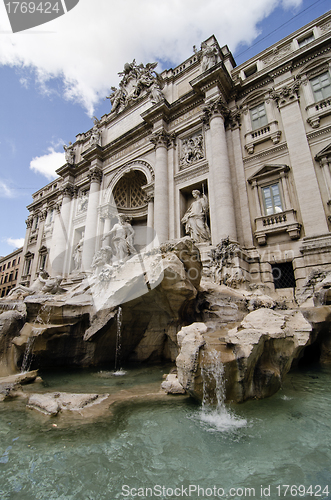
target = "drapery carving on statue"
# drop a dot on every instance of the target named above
(208, 55)
(122, 234)
(21, 291)
(195, 218)
(69, 153)
(78, 252)
(192, 150)
(136, 81)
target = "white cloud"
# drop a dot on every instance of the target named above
(15, 242)
(47, 164)
(88, 46)
(5, 190)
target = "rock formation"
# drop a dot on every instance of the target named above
(154, 305)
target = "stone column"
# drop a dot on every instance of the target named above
(287, 201)
(95, 175)
(60, 244)
(241, 181)
(257, 198)
(324, 163)
(150, 220)
(35, 264)
(161, 140)
(25, 246)
(106, 217)
(222, 212)
(307, 188)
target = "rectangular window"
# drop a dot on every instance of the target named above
(271, 199)
(321, 86)
(14, 263)
(43, 259)
(283, 275)
(306, 40)
(258, 116)
(28, 266)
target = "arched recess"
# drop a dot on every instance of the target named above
(125, 191)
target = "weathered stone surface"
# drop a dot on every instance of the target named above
(10, 386)
(10, 324)
(256, 355)
(53, 402)
(171, 385)
(190, 339)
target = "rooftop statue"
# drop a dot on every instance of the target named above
(136, 80)
(208, 55)
(69, 153)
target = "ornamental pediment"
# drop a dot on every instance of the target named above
(267, 171)
(324, 153)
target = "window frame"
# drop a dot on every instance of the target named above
(321, 89)
(269, 185)
(260, 121)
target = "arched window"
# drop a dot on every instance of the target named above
(128, 192)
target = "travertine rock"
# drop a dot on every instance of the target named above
(53, 402)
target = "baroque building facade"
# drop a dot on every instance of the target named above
(224, 153)
(9, 271)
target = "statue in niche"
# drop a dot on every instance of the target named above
(69, 153)
(192, 149)
(195, 219)
(208, 55)
(136, 80)
(122, 238)
(78, 251)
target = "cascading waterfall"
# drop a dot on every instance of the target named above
(28, 355)
(214, 410)
(117, 367)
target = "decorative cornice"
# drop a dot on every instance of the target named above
(191, 172)
(95, 174)
(322, 131)
(266, 152)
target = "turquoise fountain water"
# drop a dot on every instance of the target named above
(172, 449)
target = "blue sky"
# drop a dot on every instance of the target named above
(54, 78)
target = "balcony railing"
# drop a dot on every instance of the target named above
(317, 111)
(267, 225)
(265, 133)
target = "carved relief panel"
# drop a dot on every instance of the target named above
(192, 149)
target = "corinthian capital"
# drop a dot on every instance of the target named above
(95, 174)
(68, 190)
(213, 108)
(162, 138)
(287, 93)
(29, 221)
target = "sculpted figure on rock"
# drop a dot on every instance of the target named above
(122, 238)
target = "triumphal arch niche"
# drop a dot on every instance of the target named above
(130, 192)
